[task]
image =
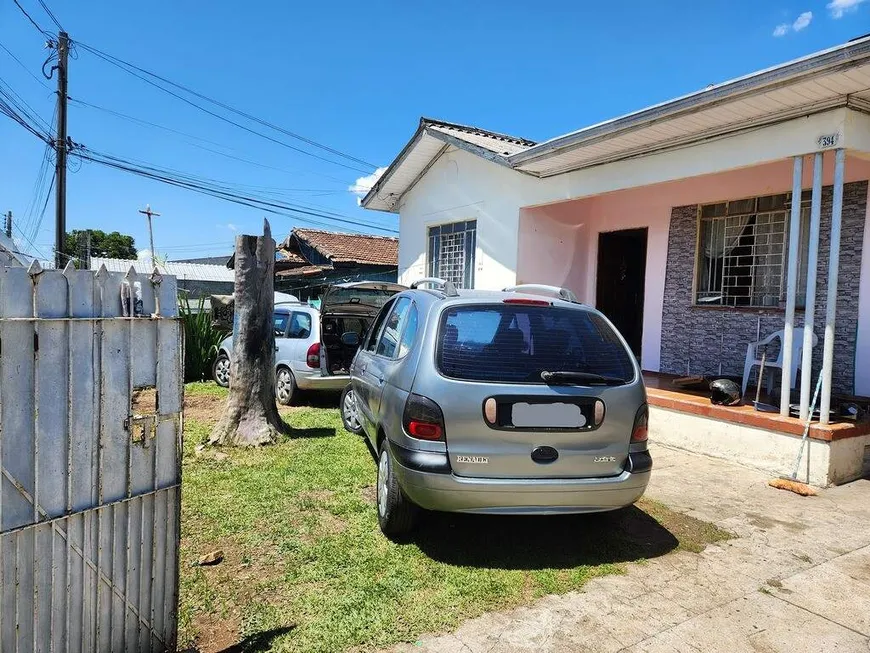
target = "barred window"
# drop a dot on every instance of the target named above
(743, 252)
(451, 252)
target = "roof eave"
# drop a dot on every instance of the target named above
(388, 173)
(825, 61)
(448, 140)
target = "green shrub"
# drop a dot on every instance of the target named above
(201, 340)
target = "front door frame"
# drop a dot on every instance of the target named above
(644, 231)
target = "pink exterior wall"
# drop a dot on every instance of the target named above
(557, 243)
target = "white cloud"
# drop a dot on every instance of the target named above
(802, 21)
(231, 226)
(364, 184)
(840, 7)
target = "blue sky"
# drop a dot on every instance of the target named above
(357, 77)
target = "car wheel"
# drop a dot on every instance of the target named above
(220, 371)
(396, 514)
(285, 386)
(349, 411)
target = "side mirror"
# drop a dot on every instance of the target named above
(350, 339)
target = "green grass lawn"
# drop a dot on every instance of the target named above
(307, 569)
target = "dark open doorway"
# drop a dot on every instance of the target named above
(620, 281)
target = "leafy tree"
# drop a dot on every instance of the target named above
(103, 245)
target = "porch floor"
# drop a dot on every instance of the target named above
(662, 393)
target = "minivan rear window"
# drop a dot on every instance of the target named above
(515, 343)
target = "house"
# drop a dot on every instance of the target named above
(195, 280)
(310, 259)
(698, 225)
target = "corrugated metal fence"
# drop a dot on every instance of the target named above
(90, 434)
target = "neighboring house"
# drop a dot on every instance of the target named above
(309, 260)
(205, 260)
(675, 222)
(195, 280)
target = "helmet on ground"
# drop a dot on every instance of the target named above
(725, 392)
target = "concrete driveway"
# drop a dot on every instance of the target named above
(795, 579)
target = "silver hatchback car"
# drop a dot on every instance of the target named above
(516, 402)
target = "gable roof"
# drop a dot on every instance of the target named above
(833, 78)
(428, 143)
(351, 248)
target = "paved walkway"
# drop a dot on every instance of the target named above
(796, 579)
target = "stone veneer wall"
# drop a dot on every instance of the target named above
(696, 339)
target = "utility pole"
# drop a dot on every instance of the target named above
(61, 149)
(149, 213)
(8, 225)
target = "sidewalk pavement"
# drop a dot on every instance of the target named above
(795, 579)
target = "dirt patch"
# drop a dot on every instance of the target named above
(329, 524)
(693, 534)
(369, 494)
(203, 408)
(315, 498)
(214, 634)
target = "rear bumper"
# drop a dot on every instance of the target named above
(427, 480)
(313, 380)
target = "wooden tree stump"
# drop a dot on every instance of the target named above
(251, 417)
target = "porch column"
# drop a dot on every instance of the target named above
(791, 286)
(833, 273)
(810, 309)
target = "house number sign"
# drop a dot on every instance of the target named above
(828, 140)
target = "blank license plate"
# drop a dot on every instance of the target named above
(547, 415)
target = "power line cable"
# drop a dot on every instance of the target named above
(148, 123)
(132, 70)
(27, 70)
(52, 16)
(183, 181)
(45, 33)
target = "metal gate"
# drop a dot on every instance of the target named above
(90, 435)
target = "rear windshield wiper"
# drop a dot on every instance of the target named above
(567, 377)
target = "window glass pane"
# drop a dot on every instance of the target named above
(714, 210)
(409, 332)
(389, 340)
(376, 327)
(279, 321)
(451, 252)
(300, 325)
(741, 257)
(740, 207)
(514, 344)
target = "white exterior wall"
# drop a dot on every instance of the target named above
(462, 186)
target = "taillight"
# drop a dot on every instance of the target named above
(598, 412)
(639, 432)
(423, 418)
(312, 358)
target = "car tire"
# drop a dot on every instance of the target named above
(397, 515)
(285, 386)
(349, 411)
(220, 371)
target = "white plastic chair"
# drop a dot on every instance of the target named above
(753, 358)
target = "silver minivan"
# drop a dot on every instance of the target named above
(516, 402)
